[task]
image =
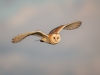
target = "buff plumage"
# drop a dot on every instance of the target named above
(52, 38)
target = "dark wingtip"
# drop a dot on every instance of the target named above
(79, 22)
(13, 41)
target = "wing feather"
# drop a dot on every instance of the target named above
(57, 29)
(24, 35)
(71, 26)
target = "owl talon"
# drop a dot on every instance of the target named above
(41, 41)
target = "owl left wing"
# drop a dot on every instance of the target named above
(71, 26)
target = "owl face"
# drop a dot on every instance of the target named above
(54, 38)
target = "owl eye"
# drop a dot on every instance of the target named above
(53, 37)
(57, 37)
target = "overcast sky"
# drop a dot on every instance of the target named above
(78, 52)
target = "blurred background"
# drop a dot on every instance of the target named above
(78, 52)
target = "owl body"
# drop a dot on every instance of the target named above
(52, 38)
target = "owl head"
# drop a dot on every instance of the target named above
(54, 38)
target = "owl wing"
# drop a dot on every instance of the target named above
(71, 26)
(24, 35)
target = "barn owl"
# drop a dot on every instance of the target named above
(52, 38)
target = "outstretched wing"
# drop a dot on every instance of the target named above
(71, 26)
(24, 35)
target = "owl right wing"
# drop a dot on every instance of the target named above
(24, 35)
(70, 26)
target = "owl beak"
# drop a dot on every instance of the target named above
(56, 40)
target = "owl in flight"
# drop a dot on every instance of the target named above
(52, 38)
